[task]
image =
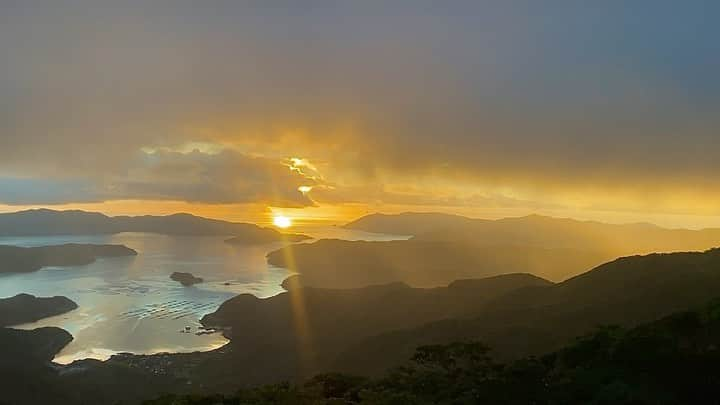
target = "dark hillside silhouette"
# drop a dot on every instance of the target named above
(25, 308)
(670, 361)
(15, 259)
(626, 291)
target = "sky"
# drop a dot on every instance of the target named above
(329, 110)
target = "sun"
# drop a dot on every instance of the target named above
(282, 221)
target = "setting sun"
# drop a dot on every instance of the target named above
(282, 221)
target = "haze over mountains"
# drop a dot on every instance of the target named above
(50, 222)
(350, 264)
(541, 231)
(450, 247)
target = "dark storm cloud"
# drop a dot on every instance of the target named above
(546, 94)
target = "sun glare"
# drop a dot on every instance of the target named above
(282, 221)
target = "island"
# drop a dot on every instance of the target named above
(186, 279)
(14, 259)
(26, 308)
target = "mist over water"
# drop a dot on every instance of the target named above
(130, 304)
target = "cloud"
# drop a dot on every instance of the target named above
(225, 177)
(536, 103)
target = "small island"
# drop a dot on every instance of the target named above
(186, 279)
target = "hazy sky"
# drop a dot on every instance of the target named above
(478, 107)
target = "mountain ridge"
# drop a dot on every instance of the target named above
(47, 222)
(535, 320)
(537, 230)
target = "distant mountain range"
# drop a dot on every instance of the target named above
(450, 247)
(541, 231)
(43, 222)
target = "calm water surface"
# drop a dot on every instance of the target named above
(129, 304)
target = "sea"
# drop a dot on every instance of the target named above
(130, 304)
